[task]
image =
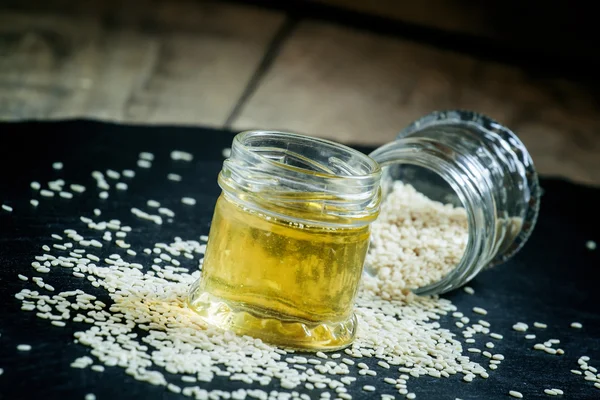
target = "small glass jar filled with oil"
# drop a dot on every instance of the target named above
(288, 240)
(292, 227)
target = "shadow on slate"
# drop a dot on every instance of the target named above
(554, 279)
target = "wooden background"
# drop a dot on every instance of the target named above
(240, 66)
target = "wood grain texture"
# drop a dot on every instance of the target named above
(354, 86)
(180, 62)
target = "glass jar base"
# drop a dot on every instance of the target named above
(278, 330)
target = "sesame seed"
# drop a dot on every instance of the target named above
(174, 177)
(90, 396)
(144, 164)
(558, 391)
(35, 185)
(576, 325)
(188, 201)
(77, 188)
(57, 165)
(550, 392)
(540, 325)
(46, 193)
(178, 155)
(469, 290)
(520, 327)
(516, 394)
(34, 202)
(411, 396)
(121, 186)
(496, 336)
(7, 208)
(369, 388)
(591, 245)
(24, 347)
(530, 336)
(66, 195)
(479, 310)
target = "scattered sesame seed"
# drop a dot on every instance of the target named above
(520, 327)
(188, 201)
(57, 165)
(128, 173)
(530, 336)
(516, 394)
(77, 188)
(496, 336)
(90, 396)
(7, 208)
(369, 388)
(103, 195)
(46, 193)
(66, 195)
(479, 310)
(35, 185)
(469, 290)
(24, 347)
(591, 245)
(23, 277)
(34, 202)
(550, 392)
(174, 177)
(540, 325)
(576, 325)
(178, 155)
(144, 164)
(153, 203)
(121, 186)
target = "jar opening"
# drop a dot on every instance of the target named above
(302, 179)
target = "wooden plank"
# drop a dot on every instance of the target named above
(355, 86)
(556, 29)
(180, 62)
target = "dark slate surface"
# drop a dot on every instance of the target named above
(555, 279)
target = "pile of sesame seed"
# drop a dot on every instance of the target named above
(131, 312)
(414, 242)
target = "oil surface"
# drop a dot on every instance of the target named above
(281, 281)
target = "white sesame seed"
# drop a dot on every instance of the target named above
(479, 310)
(540, 325)
(7, 208)
(128, 173)
(411, 396)
(144, 164)
(57, 165)
(34, 202)
(496, 336)
(530, 336)
(591, 245)
(576, 372)
(23, 277)
(66, 195)
(174, 177)
(77, 188)
(550, 392)
(489, 345)
(520, 327)
(558, 391)
(24, 347)
(469, 290)
(35, 185)
(58, 323)
(103, 195)
(153, 203)
(576, 325)
(178, 155)
(46, 193)
(369, 388)
(516, 394)
(90, 396)
(188, 201)
(121, 186)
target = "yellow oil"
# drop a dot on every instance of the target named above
(283, 282)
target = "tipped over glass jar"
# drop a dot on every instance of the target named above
(292, 226)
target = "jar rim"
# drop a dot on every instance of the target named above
(243, 142)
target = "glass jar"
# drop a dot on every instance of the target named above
(291, 228)
(288, 240)
(469, 160)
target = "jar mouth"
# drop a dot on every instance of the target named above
(301, 178)
(305, 154)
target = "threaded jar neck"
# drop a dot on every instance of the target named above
(302, 179)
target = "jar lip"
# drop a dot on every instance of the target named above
(243, 140)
